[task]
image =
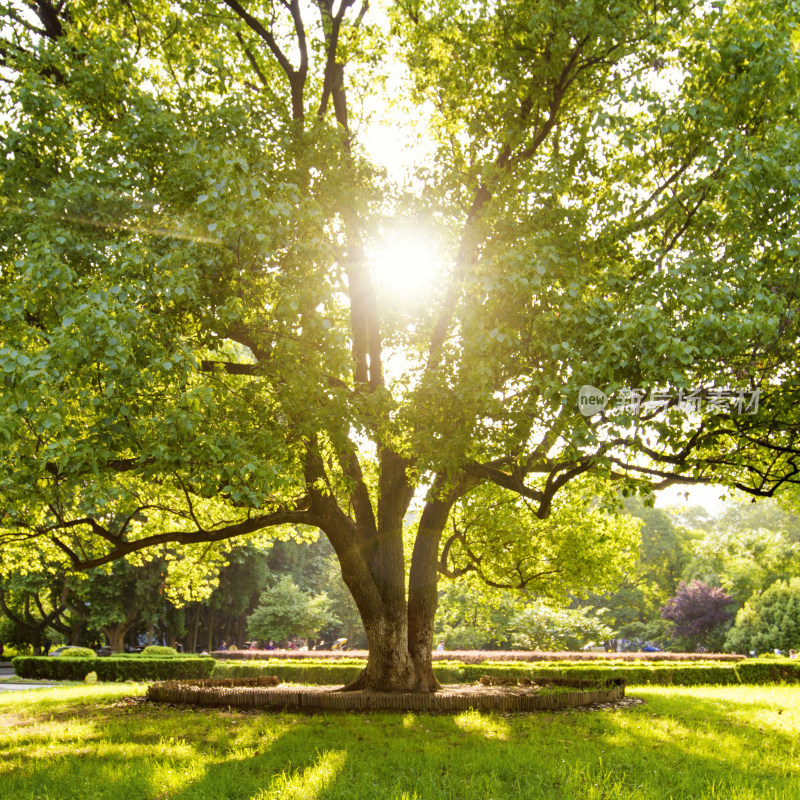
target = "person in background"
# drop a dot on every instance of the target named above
(440, 647)
(270, 645)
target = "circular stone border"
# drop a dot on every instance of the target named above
(262, 693)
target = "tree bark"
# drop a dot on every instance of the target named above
(391, 667)
(115, 632)
(399, 633)
(211, 647)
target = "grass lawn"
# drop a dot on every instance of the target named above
(701, 742)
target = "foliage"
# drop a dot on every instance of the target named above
(742, 548)
(541, 627)
(284, 611)
(78, 652)
(323, 674)
(659, 673)
(554, 556)
(159, 650)
(747, 548)
(632, 610)
(313, 567)
(31, 602)
(675, 674)
(476, 656)
(472, 616)
(197, 342)
(699, 613)
(768, 621)
(112, 668)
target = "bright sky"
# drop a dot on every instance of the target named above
(710, 497)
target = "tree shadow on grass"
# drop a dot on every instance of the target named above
(675, 746)
(656, 751)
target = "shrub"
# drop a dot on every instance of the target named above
(670, 674)
(159, 650)
(665, 673)
(320, 673)
(112, 668)
(473, 656)
(284, 610)
(78, 652)
(700, 613)
(769, 621)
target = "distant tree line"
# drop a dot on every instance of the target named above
(699, 581)
(125, 604)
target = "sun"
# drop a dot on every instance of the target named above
(407, 264)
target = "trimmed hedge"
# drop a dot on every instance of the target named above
(112, 668)
(670, 674)
(159, 650)
(675, 674)
(474, 656)
(77, 652)
(316, 674)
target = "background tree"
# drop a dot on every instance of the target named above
(31, 602)
(746, 549)
(121, 596)
(700, 613)
(197, 340)
(541, 627)
(768, 621)
(474, 617)
(285, 612)
(633, 609)
(471, 616)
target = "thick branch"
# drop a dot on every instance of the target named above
(505, 480)
(123, 548)
(296, 77)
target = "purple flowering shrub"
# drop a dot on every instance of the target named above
(700, 613)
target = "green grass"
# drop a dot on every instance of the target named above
(731, 743)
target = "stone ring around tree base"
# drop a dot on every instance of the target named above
(268, 694)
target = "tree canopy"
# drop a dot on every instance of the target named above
(285, 611)
(199, 340)
(768, 621)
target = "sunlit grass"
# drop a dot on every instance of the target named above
(730, 743)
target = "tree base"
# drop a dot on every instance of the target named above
(389, 684)
(450, 699)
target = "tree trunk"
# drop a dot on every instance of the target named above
(390, 665)
(211, 646)
(115, 632)
(423, 583)
(195, 630)
(116, 636)
(399, 633)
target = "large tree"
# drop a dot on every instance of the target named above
(198, 341)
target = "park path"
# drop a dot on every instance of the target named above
(7, 671)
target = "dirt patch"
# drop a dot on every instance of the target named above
(13, 720)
